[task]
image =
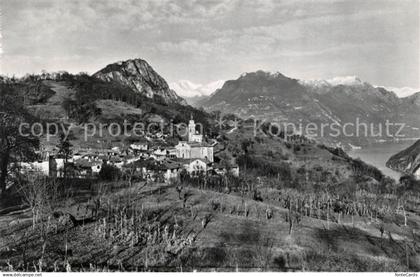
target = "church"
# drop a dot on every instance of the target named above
(195, 147)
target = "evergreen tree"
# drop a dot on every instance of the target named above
(16, 141)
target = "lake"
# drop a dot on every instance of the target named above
(379, 153)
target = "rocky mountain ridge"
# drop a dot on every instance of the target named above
(407, 161)
(140, 77)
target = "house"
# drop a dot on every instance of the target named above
(172, 170)
(78, 155)
(56, 167)
(183, 150)
(222, 170)
(235, 170)
(147, 169)
(139, 146)
(155, 170)
(42, 167)
(88, 157)
(130, 159)
(196, 166)
(82, 168)
(116, 161)
(186, 150)
(201, 151)
(159, 154)
(96, 167)
(171, 153)
(105, 152)
(116, 149)
(142, 154)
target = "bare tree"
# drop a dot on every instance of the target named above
(264, 252)
(37, 193)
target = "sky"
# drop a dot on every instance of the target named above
(207, 40)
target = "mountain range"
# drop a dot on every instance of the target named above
(188, 89)
(278, 98)
(131, 91)
(262, 95)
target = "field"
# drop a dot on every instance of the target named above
(161, 227)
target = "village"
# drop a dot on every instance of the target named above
(143, 159)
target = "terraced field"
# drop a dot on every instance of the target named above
(150, 227)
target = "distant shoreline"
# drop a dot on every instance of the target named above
(377, 154)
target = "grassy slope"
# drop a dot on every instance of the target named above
(97, 102)
(306, 155)
(231, 240)
(52, 108)
(111, 108)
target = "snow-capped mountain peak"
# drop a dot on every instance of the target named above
(314, 83)
(187, 88)
(341, 80)
(345, 80)
(354, 81)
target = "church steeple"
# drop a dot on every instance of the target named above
(191, 130)
(193, 136)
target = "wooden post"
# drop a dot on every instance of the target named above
(328, 214)
(405, 217)
(290, 222)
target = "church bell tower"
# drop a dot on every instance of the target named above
(191, 129)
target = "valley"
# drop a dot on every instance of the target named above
(210, 136)
(220, 197)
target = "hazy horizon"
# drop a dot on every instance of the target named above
(205, 41)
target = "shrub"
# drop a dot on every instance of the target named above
(109, 173)
(215, 204)
(264, 167)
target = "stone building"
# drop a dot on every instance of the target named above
(194, 148)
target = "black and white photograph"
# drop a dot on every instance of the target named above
(197, 136)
